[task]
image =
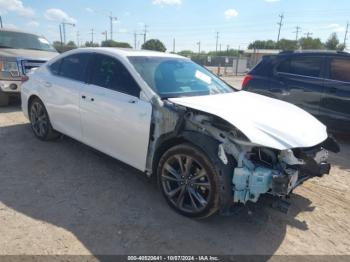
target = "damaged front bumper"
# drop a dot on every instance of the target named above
(279, 175)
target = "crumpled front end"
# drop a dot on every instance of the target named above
(261, 170)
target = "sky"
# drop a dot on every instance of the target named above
(238, 22)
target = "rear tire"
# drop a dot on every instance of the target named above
(4, 98)
(40, 121)
(189, 181)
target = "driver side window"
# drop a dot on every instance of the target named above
(109, 73)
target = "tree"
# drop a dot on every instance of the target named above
(287, 45)
(91, 44)
(311, 43)
(154, 44)
(111, 43)
(61, 48)
(333, 43)
(186, 53)
(263, 44)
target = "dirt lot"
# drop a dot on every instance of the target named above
(65, 198)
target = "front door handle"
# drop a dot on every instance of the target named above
(83, 96)
(132, 101)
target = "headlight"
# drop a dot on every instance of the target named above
(9, 67)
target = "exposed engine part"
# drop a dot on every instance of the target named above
(287, 156)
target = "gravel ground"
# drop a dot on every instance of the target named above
(65, 198)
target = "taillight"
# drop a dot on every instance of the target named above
(24, 79)
(246, 81)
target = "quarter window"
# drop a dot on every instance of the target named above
(74, 66)
(340, 70)
(110, 73)
(55, 67)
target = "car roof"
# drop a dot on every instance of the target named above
(127, 52)
(15, 31)
(314, 52)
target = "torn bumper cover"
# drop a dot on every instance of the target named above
(280, 176)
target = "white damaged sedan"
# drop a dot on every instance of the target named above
(210, 146)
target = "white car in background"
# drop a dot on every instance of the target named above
(20, 52)
(209, 145)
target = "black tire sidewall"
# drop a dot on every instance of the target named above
(199, 156)
(47, 131)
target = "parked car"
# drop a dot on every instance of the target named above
(318, 82)
(208, 144)
(20, 52)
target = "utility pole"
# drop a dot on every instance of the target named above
(64, 30)
(111, 20)
(60, 26)
(220, 48)
(174, 45)
(227, 48)
(297, 31)
(346, 34)
(217, 42)
(1, 26)
(92, 35)
(78, 34)
(105, 33)
(308, 34)
(199, 47)
(145, 34)
(281, 16)
(135, 40)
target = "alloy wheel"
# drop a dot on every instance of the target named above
(186, 183)
(39, 119)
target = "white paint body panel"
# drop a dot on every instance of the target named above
(265, 121)
(116, 124)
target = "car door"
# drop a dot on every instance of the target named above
(114, 119)
(299, 80)
(335, 103)
(63, 86)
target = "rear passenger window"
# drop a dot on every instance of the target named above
(340, 70)
(306, 66)
(109, 73)
(74, 66)
(284, 66)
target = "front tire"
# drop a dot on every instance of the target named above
(189, 181)
(40, 121)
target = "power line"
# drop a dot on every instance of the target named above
(280, 26)
(297, 31)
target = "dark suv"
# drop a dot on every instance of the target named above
(317, 81)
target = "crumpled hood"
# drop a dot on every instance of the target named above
(265, 121)
(27, 54)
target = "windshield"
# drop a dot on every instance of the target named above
(17, 40)
(177, 77)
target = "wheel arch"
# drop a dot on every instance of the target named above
(209, 146)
